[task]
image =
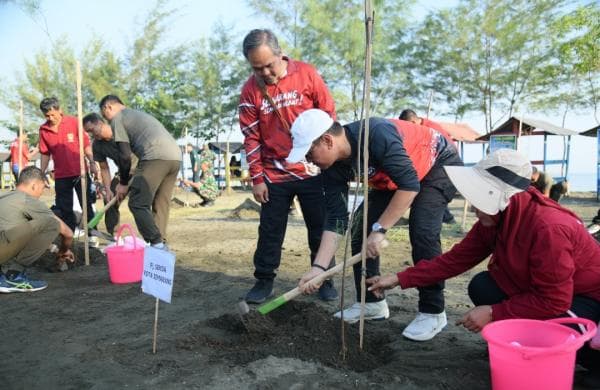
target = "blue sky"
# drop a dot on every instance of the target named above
(119, 21)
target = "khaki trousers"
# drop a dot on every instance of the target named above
(22, 245)
(150, 195)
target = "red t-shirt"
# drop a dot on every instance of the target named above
(421, 145)
(267, 140)
(63, 146)
(14, 153)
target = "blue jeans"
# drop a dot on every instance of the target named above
(274, 218)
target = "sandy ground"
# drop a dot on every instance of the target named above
(83, 332)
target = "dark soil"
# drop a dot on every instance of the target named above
(48, 260)
(297, 330)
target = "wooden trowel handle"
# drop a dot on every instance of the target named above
(288, 296)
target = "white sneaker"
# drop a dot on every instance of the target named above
(374, 311)
(78, 233)
(161, 245)
(425, 326)
(93, 242)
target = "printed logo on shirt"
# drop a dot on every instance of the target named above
(70, 137)
(284, 99)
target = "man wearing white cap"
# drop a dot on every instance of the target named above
(405, 170)
(543, 261)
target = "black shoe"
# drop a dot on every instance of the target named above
(208, 203)
(450, 221)
(263, 289)
(327, 292)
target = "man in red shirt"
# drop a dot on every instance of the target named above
(543, 261)
(405, 171)
(411, 116)
(26, 154)
(59, 139)
(278, 91)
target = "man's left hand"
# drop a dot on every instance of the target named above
(121, 191)
(374, 244)
(476, 318)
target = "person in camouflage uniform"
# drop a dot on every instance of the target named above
(206, 187)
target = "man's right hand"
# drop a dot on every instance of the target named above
(304, 285)
(260, 192)
(66, 256)
(122, 191)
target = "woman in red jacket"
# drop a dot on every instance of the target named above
(543, 262)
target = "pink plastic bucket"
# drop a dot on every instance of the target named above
(125, 262)
(532, 354)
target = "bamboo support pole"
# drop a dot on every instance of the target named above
(82, 169)
(369, 16)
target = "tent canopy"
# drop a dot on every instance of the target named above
(593, 132)
(460, 131)
(221, 147)
(529, 127)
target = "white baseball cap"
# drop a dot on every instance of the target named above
(308, 126)
(489, 184)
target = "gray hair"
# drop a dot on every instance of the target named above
(259, 37)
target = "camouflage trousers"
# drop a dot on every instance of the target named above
(207, 190)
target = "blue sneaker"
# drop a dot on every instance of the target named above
(20, 283)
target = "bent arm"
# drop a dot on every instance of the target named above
(398, 205)
(124, 162)
(44, 160)
(473, 249)
(67, 236)
(250, 127)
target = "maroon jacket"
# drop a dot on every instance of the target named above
(267, 140)
(542, 256)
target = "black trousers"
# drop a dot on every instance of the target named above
(113, 215)
(274, 218)
(64, 199)
(425, 225)
(483, 290)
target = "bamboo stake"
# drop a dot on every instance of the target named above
(155, 327)
(82, 170)
(227, 170)
(369, 16)
(20, 168)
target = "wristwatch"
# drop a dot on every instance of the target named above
(378, 228)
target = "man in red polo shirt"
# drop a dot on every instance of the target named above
(274, 95)
(26, 154)
(59, 139)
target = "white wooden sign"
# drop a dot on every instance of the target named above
(159, 271)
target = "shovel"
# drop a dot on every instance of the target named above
(92, 224)
(288, 296)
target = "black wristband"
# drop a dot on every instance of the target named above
(319, 266)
